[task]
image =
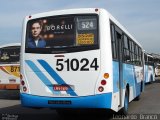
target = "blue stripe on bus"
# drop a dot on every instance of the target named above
(55, 76)
(41, 76)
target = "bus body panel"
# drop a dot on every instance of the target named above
(149, 68)
(149, 74)
(82, 82)
(9, 66)
(9, 76)
(133, 76)
(157, 70)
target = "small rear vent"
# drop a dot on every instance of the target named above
(59, 102)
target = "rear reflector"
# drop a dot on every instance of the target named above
(24, 89)
(100, 89)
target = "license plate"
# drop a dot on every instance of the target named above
(12, 80)
(60, 87)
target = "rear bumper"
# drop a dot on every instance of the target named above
(9, 86)
(96, 101)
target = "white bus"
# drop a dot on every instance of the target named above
(87, 60)
(157, 70)
(10, 66)
(149, 68)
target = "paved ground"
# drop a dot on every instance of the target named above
(10, 108)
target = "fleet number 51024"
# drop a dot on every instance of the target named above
(77, 65)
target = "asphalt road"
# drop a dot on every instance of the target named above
(147, 106)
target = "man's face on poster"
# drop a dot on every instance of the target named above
(36, 30)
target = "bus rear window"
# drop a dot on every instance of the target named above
(61, 34)
(9, 55)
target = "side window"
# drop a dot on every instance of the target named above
(114, 43)
(149, 61)
(133, 55)
(10, 55)
(124, 48)
(130, 49)
(126, 52)
(137, 55)
(140, 56)
(119, 41)
(145, 58)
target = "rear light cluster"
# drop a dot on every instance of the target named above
(24, 88)
(103, 82)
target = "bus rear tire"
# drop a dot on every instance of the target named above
(124, 110)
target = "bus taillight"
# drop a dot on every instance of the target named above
(103, 82)
(21, 77)
(22, 82)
